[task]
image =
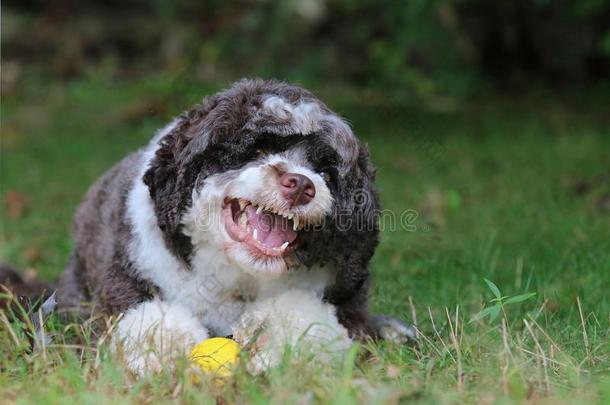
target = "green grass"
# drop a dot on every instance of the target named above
(490, 183)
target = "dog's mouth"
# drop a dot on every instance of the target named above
(262, 229)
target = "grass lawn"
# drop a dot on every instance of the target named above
(516, 191)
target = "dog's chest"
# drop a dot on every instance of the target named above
(222, 298)
(218, 293)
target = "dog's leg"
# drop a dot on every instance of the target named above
(153, 333)
(353, 313)
(393, 330)
(295, 318)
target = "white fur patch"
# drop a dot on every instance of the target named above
(147, 248)
(296, 318)
(153, 333)
(304, 117)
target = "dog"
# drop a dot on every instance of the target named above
(252, 215)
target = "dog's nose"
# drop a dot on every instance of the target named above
(297, 189)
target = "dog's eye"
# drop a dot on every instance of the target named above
(326, 176)
(261, 152)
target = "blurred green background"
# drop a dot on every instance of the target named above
(426, 48)
(489, 121)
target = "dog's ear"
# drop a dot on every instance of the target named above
(362, 201)
(172, 174)
(356, 230)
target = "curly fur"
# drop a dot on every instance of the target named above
(137, 233)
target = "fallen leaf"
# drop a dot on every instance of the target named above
(15, 204)
(32, 254)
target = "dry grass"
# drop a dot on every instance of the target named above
(455, 361)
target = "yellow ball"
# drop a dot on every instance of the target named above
(216, 356)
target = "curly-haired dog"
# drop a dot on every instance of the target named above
(252, 214)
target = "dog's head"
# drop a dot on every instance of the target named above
(266, 173)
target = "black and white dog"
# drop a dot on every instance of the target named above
(252, 214)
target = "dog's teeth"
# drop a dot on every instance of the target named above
(259, 209)
(255, 234)
(290, 216)
(242, 203)
(295, 223)
(284, 246)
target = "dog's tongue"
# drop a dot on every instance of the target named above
(271, 229)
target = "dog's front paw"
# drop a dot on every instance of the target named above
(153, 334)
(393, 330)
(297, 319)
